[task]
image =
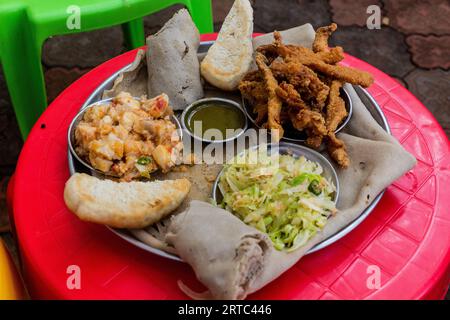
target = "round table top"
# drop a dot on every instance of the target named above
(407, 236)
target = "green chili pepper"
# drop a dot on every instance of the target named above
(144, 160)
(268, 220)
(304, 176)
(298, 180)
(314, 187)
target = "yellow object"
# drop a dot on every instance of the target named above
(11, 287)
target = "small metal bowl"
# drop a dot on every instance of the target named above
(294, 150)
(188, 112)
(79, 117)
(293, 135)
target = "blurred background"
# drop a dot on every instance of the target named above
(412, 46)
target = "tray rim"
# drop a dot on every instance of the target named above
(125, 234)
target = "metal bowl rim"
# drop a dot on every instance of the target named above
(204, 100)
(76, 119)
(292, 147)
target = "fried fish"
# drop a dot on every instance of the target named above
(301, 87)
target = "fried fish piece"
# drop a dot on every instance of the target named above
(302, 86)
(337, 151)
(311, 60)
(255, 91)
(303, 118)
(310, 121)
(277, 48)
(345, 74)
(332, 56)
(304, 78)
(270, 51)
(274, 103)
(261, 111)
(335, 111)
(290, 95)
(322, 35)
(254, 75)
(308, 58)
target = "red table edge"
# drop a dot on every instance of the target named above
(430, 292)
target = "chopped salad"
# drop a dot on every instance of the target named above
(282, 195)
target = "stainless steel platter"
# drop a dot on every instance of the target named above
(367, 99)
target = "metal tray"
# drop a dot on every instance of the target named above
(367, 99)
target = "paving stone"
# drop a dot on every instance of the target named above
(284, 14)
(217, 26)
(57, 79)
(401, 81)
(422, 17)
(384, 48)
(4, 221)
(154, 22)
(10, 139)
(83, 50)
(351, 12)
(221, 9)
(431, 87)
(430, 51)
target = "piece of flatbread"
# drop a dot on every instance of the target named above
(229, 264)
(132, 80)
(172, 62)
(123, 204)
(231, 55)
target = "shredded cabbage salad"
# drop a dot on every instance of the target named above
(281, 195)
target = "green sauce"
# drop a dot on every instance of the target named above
(216, 115)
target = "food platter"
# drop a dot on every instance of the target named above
(367, 99)
(233, 201)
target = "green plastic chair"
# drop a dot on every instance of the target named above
(26, 24)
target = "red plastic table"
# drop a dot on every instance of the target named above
(407, 236)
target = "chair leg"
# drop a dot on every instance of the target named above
(200, 10)
(21, 62)
(133, 32)
(201, 13)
